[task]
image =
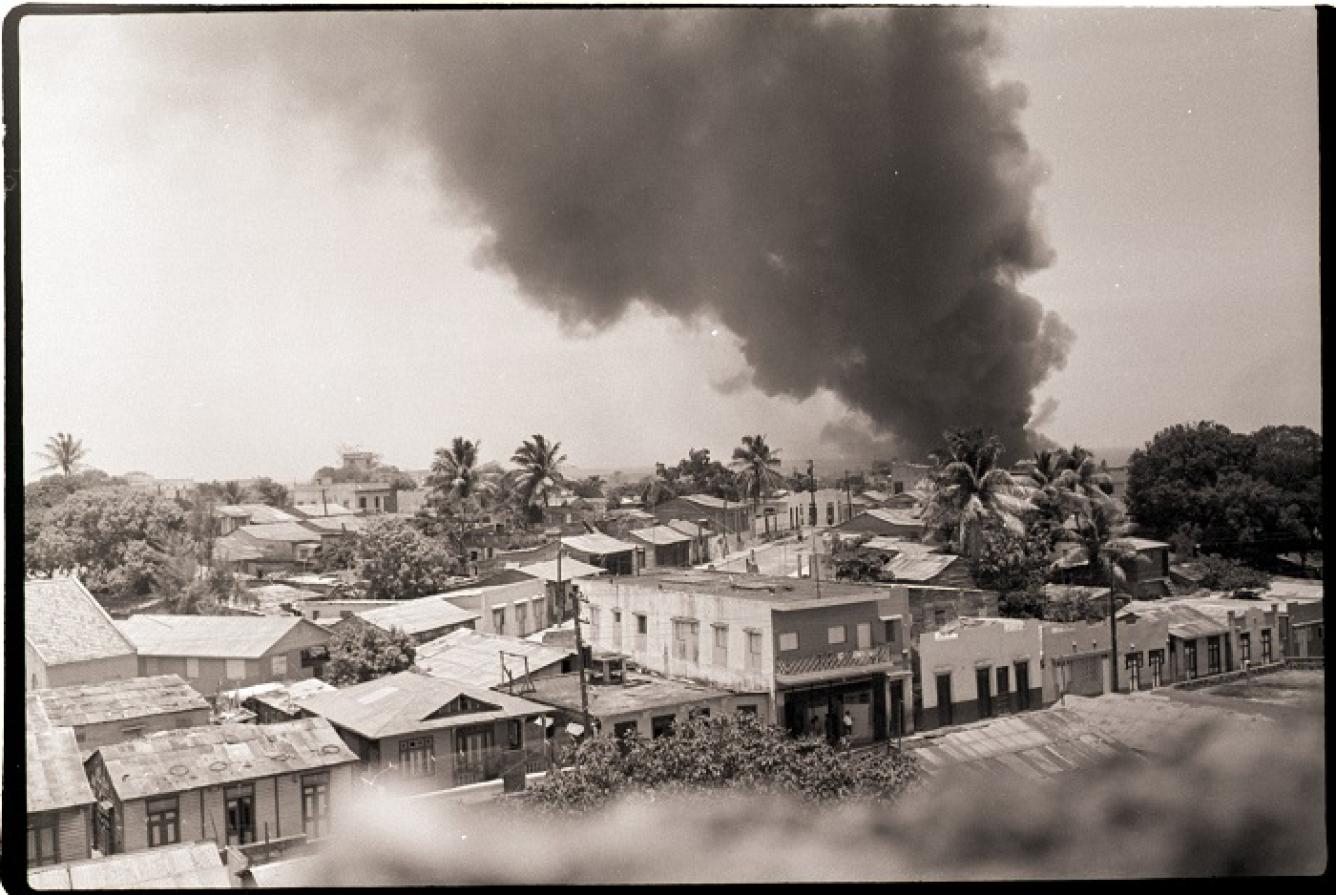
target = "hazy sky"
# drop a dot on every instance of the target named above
(219, 283)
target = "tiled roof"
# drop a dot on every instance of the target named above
(474, 658)
(55, 770)
(294, 532)
(406, 703)
(597, 544)
(178, 760)
(190, 865)
(138, 697)
(64, 623)
(660, 535)
(209, 636)
(417, 616)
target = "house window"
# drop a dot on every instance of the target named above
(899, 487)
(1213, 655)
(164, 821)
(499, 620)
(661, 726)
(595, 624)
(864, 634)
(1190, 659)
(686, 639)
(1245, 647)
(939, 615)
(616, 629)
(835, 634)
(788, 641)
(754, 650)
(236, 669)
(1134, 670)
(1156, 661)
(43, 839)
(720, 644)
(240, 813)
(515, 733)
(1003, 689)
(642, 630)
(1266, 645)
(192, 669)
(361, 503)
(280, 666)
(830, 513)
(315, 805)
(892, 630)
(417, 757)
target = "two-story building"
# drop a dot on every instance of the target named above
(233, 784)
(813, 648)
(729, 519)
(214, 653)
(115, 711)
(273, 548)
(417, 733)
(68, 638)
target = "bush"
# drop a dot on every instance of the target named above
(1223, 573)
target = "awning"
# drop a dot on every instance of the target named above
(570, 569)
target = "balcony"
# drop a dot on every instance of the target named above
(882, 654)
(492, 764)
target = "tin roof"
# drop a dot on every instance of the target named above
(691, 529)
(571, 568)
(918, 567)
(55, 770)
(1138, 544)
(317, 510)
(258, 513)
(895, 516)
(900, 545)
(138, 697)
(597, 544)
(178, 760)
(639, 693)
(1150, 722)
(420, 615)
(63, 623)
(474, 658)
(293, 532)
(409, 702)
(1185, 621)
(190, 865)
(660, 535)
(210, 636)
(337, 524)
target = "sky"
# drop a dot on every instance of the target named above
(220, 282)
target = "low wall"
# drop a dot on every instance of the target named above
(1228, 676)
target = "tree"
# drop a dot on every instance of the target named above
(397, 562)
(723, 753)
(233, 492)
(63, 452)
(1223, 573)
(50, 490)
(1010, 561)
(457, 485)
(539, 470)
(591, 486)
(758, 472)
(971, 488)
(658, 487)
(859, 565)
(271, 492)
(360, 652)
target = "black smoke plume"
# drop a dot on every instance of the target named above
(846, 190)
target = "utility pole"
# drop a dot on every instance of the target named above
(1113, 634)
(576, 598)
(811, 490)
(848, 494)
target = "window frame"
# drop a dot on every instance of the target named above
(230, 667)
(790, 637)
(417, 757)
(279, 664)
(238, 793)
(841, 630)
(719, 651)
(755, 647)
(41, 825)
(163, 814)
(315, 789)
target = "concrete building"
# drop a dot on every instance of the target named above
(236, 784)
(101, 714)
(662, 546)
(60, 801)
(362, 497)
(1147, 574)
(214, 653)
(416, 733)
(515, 609)
(976, 668)
(729, 518)
(232, 516)
(824, 508)
(68, 638)
(1076, 656)
(813, 648)
(423, 619)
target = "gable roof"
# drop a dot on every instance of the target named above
(190, 865)
(711, 502)
(211, 636)
(258, 513)
(55, 771)
(63, 623)
(597, 544)
(405, 702)
(690, 529)
(179, 760)
(137, 697)
(917, 566)
(294, 532)
(475, 658)
(416, 616)
(660, 535)
(570, 568)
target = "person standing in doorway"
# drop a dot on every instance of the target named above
(848, 722)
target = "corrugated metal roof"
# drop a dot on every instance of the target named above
(660, 535)
(191, 865)
(1184, 621)
(900, 545)
(474, 658)
(316, 510)
(571, 568)
(691, 529)
(139, 697)
(336, 524)
(405, 702)
(55, 770)
(416, 616)
(64, 623)
(179, 760)
(895, 516)
(1149, 722)
(919, 567)
(597, 544)
(258, 513)
(210, 636)
(293, 532)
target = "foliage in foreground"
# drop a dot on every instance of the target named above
(708, 754)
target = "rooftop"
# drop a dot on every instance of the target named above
(773, 589)
(209, 636)
(639, 693)
(1149, 722)
(294, 532)
(1185, 621)
(257, 513)
(64, 623)
(660, 535)
(596, 544)
(281, 694)
(84, 704)
(190, 865)
(475, 658)
(894, 516)
(179, 760)
(919, 566)
(408, 702)
(55, 770)
(1138, 544)
(337, 524)
(570, 568)
(420, 615)
(900, 545)
(317, 510)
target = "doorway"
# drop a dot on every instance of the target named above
(945, 716)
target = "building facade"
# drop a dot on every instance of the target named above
(977, 668)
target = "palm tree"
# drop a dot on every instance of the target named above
(65, 452)
(458, 482)
(758, 469)
(657, 488)
(539, 470)
(1099, 525)
(971, 487)
(1083, 480)
(234, 492)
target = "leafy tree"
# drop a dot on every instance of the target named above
(361, 652)
(971, 488)
(50, 490)
(206, 595)
(1223, 573)
(723, 753)
(859, 566)
(397, 562)
(757, 466)
(375, 472)
(271, 492)
(539, 471)
(591, 486)
(1010, 561)
(658, 487)
(63, 452)
(233, 492)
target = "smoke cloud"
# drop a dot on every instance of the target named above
(848, 192)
